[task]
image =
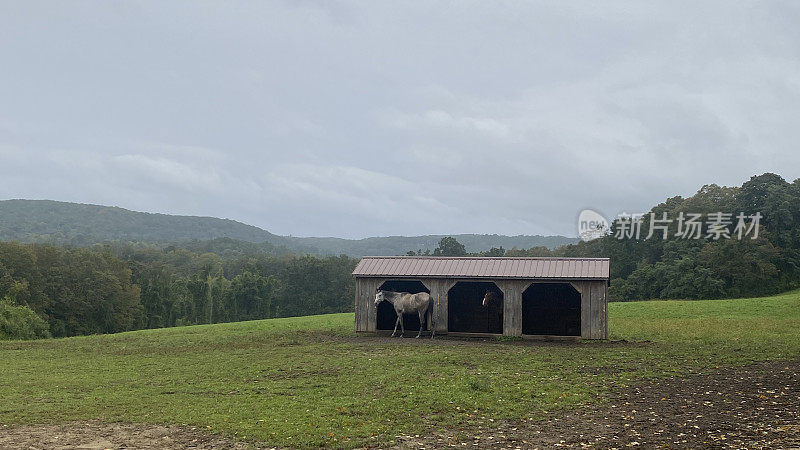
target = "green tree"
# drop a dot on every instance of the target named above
(20, 322)
(449, 246)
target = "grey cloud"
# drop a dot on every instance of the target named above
(370, 118)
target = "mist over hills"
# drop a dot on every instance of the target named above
(64, 223)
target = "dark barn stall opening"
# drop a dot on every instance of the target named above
(387, 317)
(466, 313)
(551, 309)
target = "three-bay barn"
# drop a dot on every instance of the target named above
(544, 297)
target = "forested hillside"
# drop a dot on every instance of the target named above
(678, 267)
(61, 223)
(80, 224)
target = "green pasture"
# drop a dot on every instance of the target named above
(310, 381)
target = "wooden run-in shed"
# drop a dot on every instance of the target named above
(536, 297)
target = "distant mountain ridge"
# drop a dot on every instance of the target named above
(398, 245)
(83, 224)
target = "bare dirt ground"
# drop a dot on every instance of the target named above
(756, 406)
(99, 436)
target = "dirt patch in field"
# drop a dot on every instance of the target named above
(756, 406)
(99, 436)
(448, 340)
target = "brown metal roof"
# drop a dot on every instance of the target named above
(474, 267)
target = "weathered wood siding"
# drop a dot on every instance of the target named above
(364, 307)
(439, 288)
(598, 308)
(594, 309)
(584, 288)
(512, 305)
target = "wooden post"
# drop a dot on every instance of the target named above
(512, 306)
(586, 309)
(368, 297)
(598, 310)
(439, 288)
(605, 310)
(357, 310)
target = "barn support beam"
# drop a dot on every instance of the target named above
(439, 289)
(598, 314)
(512, 306)
(594, 309)
(586, 309)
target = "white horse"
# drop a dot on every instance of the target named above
(405, 303)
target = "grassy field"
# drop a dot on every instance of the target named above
(310, 381)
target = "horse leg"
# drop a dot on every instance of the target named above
(402, 327)
(429, 315)
(421, 315)
(395, 325)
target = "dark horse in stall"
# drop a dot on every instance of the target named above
(406, 303)
(494, 303)
(490, 298)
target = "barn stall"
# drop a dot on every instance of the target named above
(531, 297)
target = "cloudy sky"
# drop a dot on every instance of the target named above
(357, 119)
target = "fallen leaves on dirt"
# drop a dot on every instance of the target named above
(756, 406)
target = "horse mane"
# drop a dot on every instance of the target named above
(392, 293)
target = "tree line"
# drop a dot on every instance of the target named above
(118, 287)
(108, 289)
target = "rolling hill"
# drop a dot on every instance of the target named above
(48, 221)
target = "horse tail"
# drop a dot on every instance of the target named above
(429, 319)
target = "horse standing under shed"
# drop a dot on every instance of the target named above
(490, 298)
(406, 303)
(494, 304)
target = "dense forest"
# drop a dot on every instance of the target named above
(108, 289)
(81, 225)
(705, 268)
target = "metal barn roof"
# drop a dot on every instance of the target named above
(474, 267)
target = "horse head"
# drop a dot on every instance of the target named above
(379, 296)
(488, 298)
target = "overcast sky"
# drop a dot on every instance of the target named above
(357, 119)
